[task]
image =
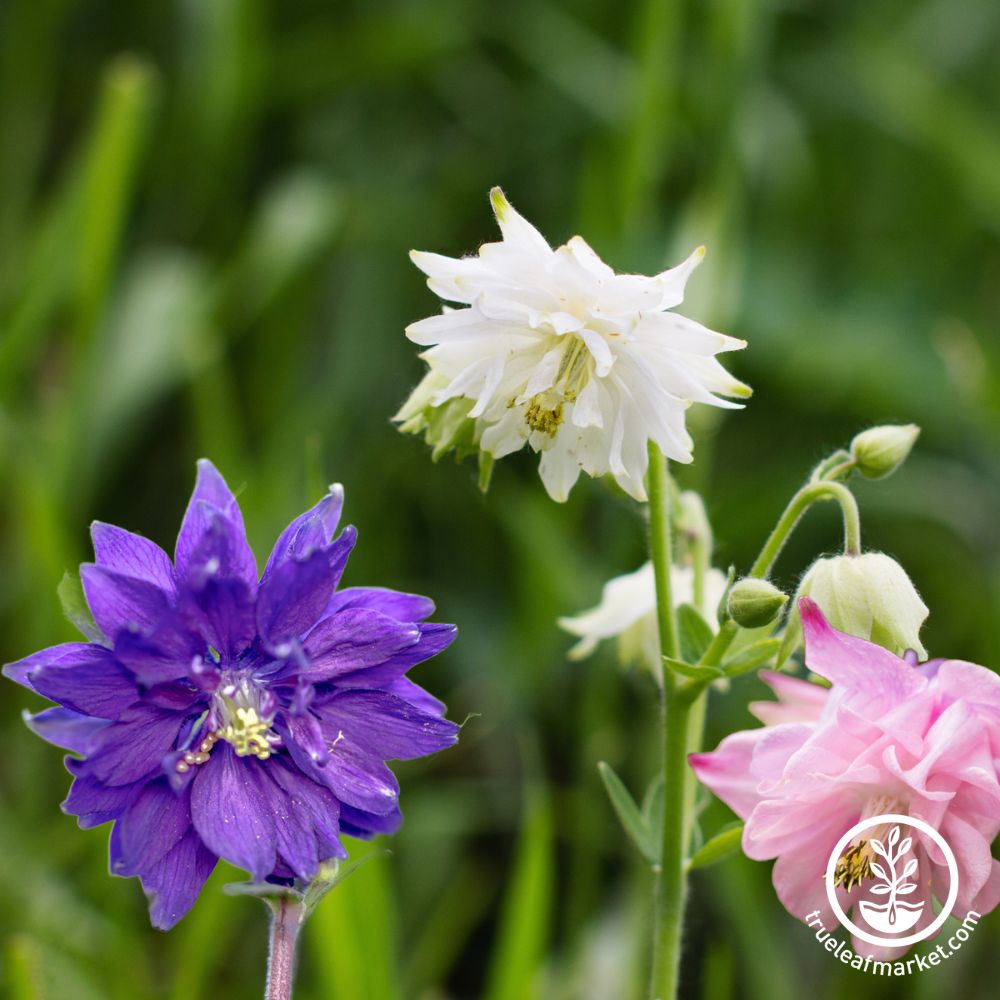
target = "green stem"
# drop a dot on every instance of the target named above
(675, 703)
(671, 882)
(661, 550)
(797, 506)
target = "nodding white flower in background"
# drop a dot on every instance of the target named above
(554, 349)
(627, 612)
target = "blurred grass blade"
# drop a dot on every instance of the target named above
(351, 937)
(523, 936)
(107, 180)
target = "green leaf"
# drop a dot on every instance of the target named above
(693, 633)
(632, 820)
(652, 812)
(74, 605)
(697, 672)
(724, 843)
(752, 657)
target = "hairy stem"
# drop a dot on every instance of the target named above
(797, 506)
(669, 887)
(286, 920)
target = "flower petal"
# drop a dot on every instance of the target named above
(132, 555)
(174, 882)
(210, 502)
(66, 729)
(150, 827)
(355, 639)
(855, 663)
(133, 747)
(294, 597)
(393, 603)
(95, 686)
(232, 808)
(92, 802)
(385, 726)
(120, 602)
(308, 532)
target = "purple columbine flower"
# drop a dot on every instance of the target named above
(226, 716)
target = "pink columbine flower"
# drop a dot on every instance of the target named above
(888, 736)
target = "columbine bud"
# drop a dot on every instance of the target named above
(880, 451)
(869, 596)
(755, 603)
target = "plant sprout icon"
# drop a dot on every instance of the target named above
(894, 916)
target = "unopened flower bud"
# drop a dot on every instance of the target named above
(755, 603)
(880, 451)
(869, 596)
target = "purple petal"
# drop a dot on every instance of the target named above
(365, 825)
(120, 602)
(394, 603)
(96, 686)
(340, 551)
(66, 654)
(355, 640)
(164, 655)
(293, 598)
(433, 638)
(221, 611)
(154, 821)
(308, 532)
(385, 726)
(92, 802)
(354, 776)
(213, 506)
(420, 699)
(133, 747)
(307, 819)
(174, 882)
(232, 807)
(132, 555)
(67, 729)
(307, 733)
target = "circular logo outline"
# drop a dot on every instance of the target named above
(949, 857)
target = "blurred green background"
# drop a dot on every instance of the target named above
(205, 212)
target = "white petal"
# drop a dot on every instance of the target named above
(624, 600)
(490, 383)
(588, 258)
(543, 376)
(587, 408)
(672, 281)
(559, 470)
(678, 333)
(515, 228)
(598, 347)
(505, 436)
(453, 278)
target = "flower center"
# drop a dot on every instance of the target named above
(545, 409)
(854, 865)
(243, 713)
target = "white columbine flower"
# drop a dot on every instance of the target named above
(554, 349)
(628, 612)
